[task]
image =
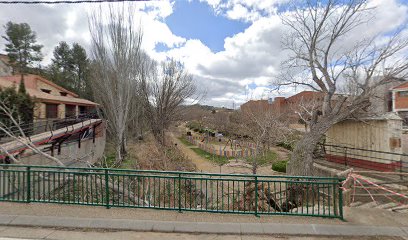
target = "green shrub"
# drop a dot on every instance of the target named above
(280, 166)
(267, 158)
(193, 124)
(21, 106)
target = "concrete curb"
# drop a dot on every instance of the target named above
(201, 227)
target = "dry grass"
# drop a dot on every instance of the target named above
(148, 154)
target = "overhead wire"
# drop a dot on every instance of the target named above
(66, 1)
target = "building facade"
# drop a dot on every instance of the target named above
(5, 69)
(286, 108)
(400, 101)
(51, 101)
(282, 105)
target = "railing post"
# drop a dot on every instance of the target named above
(340, 201)
(179, 192)
(345, 156)
(28, 185)
(256, 196)
(107, 188)
(400, 168)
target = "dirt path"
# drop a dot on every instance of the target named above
(202, 164)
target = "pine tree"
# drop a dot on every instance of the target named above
(22, 88)
(70, 69)
(21, 47)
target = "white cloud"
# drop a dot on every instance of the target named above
(254, 56)
(155, 31)
(250, 57)
(237, 12)
(69, 23)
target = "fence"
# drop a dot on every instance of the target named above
(46, 125)
(367, 159)
(237, 143)
(180, 191)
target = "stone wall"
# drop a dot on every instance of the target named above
(72, 153)
(5, 70)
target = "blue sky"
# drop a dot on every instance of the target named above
(197, 20)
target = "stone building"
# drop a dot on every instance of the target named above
(51, 101)
(5, 69)
(285, 108)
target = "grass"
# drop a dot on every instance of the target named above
(185, 142)
(269, 157)
(127, 163)
(280, 166)
(211, 157)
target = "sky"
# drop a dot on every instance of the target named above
(231, 47)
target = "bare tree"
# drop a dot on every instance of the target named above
(263, 126)
(163, 94)
(220, 121)
(346, 77)
(117, 58)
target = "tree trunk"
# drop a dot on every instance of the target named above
(255, 160)
(123, 146)
(301, 161)
(119, 156)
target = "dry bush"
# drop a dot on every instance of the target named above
(149, 154)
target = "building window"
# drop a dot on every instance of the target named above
(389, 102)
(70, 110)
(83, 110)
(63, 94)
(403, 94)
(51, 110)
(46, 90)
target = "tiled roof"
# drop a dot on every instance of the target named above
(4, 58)
(57, 99)
(401, 86)
(31, 79)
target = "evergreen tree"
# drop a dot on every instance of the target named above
(20, 104)
(70, 69)
(80, 64)
(21, 87)
(61, 66)
(21, 47)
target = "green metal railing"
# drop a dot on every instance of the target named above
(180, 191)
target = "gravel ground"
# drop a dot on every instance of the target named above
(9, 233)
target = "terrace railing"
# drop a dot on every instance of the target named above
(365, 158)
(178, 191)
(47, 125)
